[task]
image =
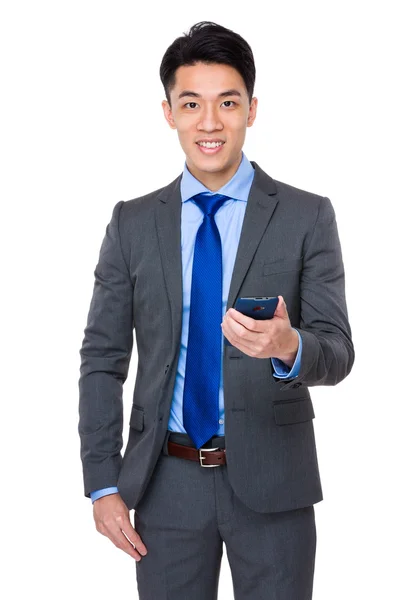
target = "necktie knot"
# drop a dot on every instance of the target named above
(210, 203)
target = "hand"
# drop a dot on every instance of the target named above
(112, 520)
(272, 338)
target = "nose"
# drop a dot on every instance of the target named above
(210, 119)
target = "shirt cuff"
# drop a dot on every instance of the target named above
(103, 492)
(282, 371)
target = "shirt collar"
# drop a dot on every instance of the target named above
(238, 187)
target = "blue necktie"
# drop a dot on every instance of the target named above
(203, 358)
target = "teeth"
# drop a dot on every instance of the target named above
(210, 144)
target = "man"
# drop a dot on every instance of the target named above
(214, 388)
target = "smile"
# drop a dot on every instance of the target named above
(210, 147)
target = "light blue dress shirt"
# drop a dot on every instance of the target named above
(229, 220)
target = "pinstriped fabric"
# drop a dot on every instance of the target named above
(203, 359)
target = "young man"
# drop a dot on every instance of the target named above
(214, 388)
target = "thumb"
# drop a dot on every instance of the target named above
(281, 309)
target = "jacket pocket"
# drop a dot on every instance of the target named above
(296, 411)
(283, 266)
(137, 418)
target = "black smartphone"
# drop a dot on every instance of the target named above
(257, 307)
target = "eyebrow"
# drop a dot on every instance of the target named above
(222, 95)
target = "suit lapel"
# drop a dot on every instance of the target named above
(260, 206)
(168, 225)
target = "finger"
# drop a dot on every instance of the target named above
(247, 322)
(243, 344)
(281, 308)
(128, 530)
(132, 535)
(120, 541)
(237, 330)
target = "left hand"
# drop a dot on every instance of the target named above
(262, 339)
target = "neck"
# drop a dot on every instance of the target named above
(214, 180)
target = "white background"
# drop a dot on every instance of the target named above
(82, 128)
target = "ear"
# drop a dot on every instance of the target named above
(252, 112)
(168, 114)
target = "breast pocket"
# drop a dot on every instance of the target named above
(283, 265)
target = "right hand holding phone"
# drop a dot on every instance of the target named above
(112, 520)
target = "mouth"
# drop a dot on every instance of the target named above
(209, 148)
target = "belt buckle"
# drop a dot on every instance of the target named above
(202, 457)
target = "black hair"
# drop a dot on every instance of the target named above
(208, 43)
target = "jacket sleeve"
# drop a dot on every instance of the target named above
(105, 356)
(327, 349)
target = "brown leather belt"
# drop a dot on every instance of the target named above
(207, 457)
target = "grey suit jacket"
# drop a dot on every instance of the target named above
(289, 246)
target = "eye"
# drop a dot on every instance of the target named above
(192, 105)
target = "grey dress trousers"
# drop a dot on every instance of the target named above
(186, 514)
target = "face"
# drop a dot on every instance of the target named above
(210, 104)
